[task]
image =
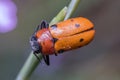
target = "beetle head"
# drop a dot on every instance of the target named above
(36, 47)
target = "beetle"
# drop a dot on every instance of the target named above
(63, 36)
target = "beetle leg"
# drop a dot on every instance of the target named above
(36, 55)
(46, 59)
(56, 54)
(44, 24)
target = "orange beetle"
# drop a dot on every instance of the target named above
(63, 36)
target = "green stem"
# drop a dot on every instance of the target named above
(29, 66)
(71, 8)
(60, 16)
(32, 62)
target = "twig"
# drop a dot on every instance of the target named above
(71, 8)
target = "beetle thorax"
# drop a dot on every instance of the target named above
(45, 40)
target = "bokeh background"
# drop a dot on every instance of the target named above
(100, 60)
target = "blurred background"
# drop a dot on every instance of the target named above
(100, 60)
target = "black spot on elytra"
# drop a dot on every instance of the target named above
(61, 51)
(79, 46)
(77, 25)
(53, 26)
(81, 40)
(54, 40)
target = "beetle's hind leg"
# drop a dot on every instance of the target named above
(46, 59)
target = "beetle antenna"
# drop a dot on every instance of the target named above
(37, 28)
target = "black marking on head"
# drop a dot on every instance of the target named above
(61, 51)
(81, 40)
(54, 40)
(53, 26)
(77, 25)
